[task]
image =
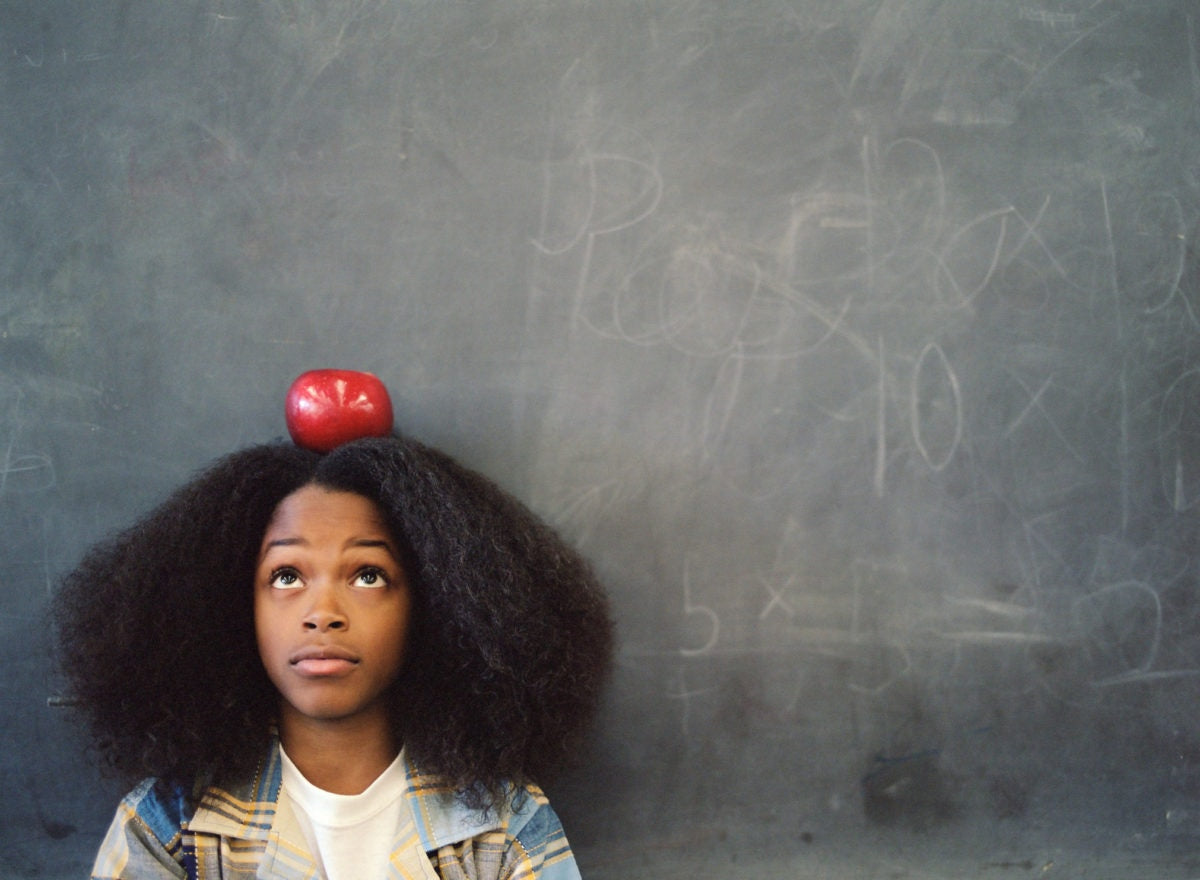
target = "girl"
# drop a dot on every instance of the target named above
(352, 665)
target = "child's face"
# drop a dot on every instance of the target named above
(331, 606)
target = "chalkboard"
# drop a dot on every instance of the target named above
(857, 343)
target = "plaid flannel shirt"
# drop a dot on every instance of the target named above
(239, 833)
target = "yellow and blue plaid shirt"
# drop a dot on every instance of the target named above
(242, 832)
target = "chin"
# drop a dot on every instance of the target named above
(336, 710)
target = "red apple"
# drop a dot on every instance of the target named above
(326, 408)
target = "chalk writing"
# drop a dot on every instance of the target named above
(685, 695)
(704, 613)
(926, 406)
(20, 472)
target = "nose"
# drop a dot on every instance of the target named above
(325, 613)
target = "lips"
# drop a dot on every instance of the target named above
(323, 661)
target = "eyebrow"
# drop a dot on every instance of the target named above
(373, 542)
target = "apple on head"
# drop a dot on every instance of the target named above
(326, 408)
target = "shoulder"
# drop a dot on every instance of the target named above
(521, 837)
(160, 809)
(146, 831)
(534, 827)
(444, 818)
(155, 830)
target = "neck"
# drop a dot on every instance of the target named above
(343, 756)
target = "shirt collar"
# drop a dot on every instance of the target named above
(248, 811)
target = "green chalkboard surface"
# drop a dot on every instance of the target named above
(857, 342)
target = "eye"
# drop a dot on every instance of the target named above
(285, 579)
(371, 577)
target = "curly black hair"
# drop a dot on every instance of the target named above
(509, 642)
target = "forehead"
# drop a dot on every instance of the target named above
(315, 509)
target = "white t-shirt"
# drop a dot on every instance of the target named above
(351, 835)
